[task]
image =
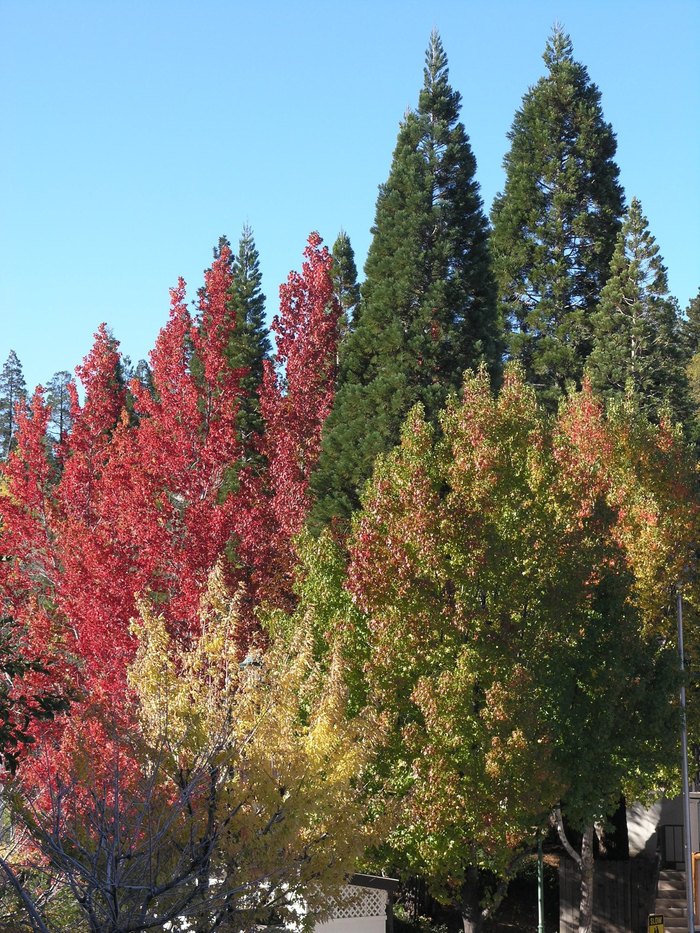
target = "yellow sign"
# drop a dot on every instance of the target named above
(656, 923)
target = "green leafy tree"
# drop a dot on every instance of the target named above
(555, 224)
(12, 391)
(513, 575)
(636, 329)
(427, 310)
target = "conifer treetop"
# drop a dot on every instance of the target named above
(637, 330)
(556, 221)
(559, 48)
(12, 391)
(427, 310)
(437, 98)
(344, 275)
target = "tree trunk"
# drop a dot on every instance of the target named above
(618, 840)
(585, 923)
(472, 921)
(470, 908)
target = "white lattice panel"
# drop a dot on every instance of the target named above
(355, 901)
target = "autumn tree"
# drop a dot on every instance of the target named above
(47, 518)
(296, 397)
(516, 606)
(555, 224)
(137, 505)
(28, 569)
(166, 515)
(139, 509)
(636, 328)
(20, 708)
(428, 303)
(12, 392)
(85, 578)
(251, 801)
(643, 473)
(141, 504)
(46, 523)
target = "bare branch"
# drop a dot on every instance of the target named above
(37, 923)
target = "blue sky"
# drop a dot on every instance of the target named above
(135, 133)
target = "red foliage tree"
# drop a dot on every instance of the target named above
(135, 508)
(56, 567)
(137, 503)
(295, 400)
(164, 481)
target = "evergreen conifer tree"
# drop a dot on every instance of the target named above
(691, 345)
(637, 334)
(12, 390)
(250, 344)
(344, 276)
(58, 397)
(144, 376)
(427, 308)
(690, 326)
(555, 224)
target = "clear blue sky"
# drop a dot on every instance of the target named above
(135, 133)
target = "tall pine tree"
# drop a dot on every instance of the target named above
(12, 391)
(344, 276)
(691, 345)
(555, 224)
(691, 326)
(427, 310)
(58, 397)
(248, 347)
(637, 333)
(250, 344)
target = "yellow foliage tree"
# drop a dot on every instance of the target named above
(238, 797)
(275, 727)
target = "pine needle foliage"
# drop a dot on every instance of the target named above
(637, 329)
(13, 391)
(427, 309)
(555, 224)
